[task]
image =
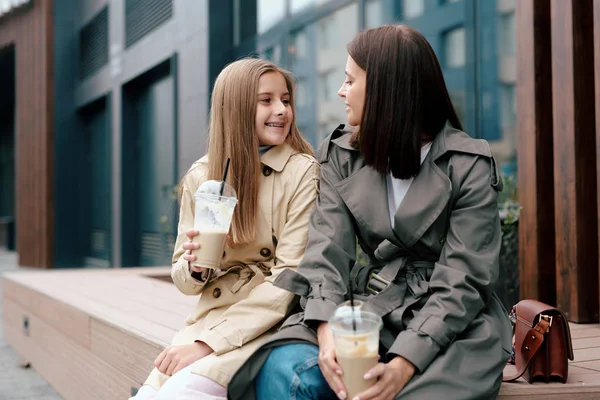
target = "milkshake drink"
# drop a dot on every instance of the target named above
(356, 346)
(212, 218)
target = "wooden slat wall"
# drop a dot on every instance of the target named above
(575, 194)
(536, 186)
(30, 30)
(558, 146)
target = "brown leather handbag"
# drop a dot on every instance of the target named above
(542, 343)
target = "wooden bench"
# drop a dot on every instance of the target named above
(93, 334)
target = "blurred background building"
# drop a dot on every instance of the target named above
(104, 103)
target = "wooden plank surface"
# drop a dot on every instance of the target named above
(72, 322)
(123, 339)
(87, 291)
(125, 352)
(73, 370)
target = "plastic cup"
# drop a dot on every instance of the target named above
(356, 345)
(212, 218)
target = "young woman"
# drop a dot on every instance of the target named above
(421, 196)
(275, 176)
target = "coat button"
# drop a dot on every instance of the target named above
(265, 252)
(217, 293)
(267, 171)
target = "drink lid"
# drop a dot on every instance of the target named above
(213, 187)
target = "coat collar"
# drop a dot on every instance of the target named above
(452, 139)
(276, 157)
(425, 200)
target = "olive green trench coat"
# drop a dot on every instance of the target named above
(436, 267)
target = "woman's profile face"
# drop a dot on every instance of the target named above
(353, 91)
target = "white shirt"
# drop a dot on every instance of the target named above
(397, 188)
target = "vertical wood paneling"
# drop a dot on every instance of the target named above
(574, 154)
(30, 30)
(534, 135)
(597, 97)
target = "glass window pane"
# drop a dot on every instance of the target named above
(270, 12)
(374, 13)
(297, 48)
(318, 59)
(413, 8)
(273, 54)
(454, 48)
(504, 141)
(330, 63)
(297, 6)
(474, 40)
(301, 93)
(507, 34)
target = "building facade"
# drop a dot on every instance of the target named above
(128, 87)
(104, 105)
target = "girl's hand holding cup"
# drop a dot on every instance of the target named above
(189, 247)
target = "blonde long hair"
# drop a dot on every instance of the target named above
(232, 134)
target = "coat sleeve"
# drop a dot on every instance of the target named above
(185, 281)
(331, 249)
(270, 303)
(463, 279)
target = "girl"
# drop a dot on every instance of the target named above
(276, 179)
(421, 196)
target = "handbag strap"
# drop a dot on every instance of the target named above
(531, 344)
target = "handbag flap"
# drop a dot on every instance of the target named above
(528, 312)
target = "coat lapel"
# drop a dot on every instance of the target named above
(365, 194)
(425, 200)
(431, 189)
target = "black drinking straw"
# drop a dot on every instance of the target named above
(352, 304)
(224, 176)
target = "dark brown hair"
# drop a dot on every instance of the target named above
(406, 102)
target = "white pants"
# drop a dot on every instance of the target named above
(184, 385)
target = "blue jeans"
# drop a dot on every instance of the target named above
(291, 372)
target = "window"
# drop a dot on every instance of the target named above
(301, 99)
(329, 83)
(374, 16)
(413, 8)
(508, 106)
(326, 34)
(273, 54)
(458, 99)
(455, 48)
(507, 34)
(297, 48)
(270, 12)
(297, 6)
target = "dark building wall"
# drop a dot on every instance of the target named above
(180, 41)
(29, 29)
(67, 139)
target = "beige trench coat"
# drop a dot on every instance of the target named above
(238, 311)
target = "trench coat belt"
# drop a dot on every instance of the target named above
(387, 289)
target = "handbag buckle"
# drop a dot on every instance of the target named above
(548, 319)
